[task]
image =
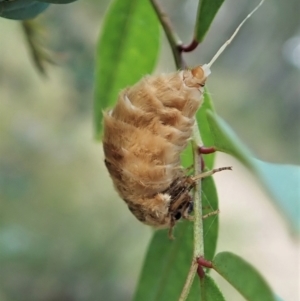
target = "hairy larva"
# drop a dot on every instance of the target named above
(144, 135)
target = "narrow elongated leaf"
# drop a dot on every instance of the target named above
(21, 10)
(187, 158)
(244, 277)
(205, 129)
(210, 290)
(14, 5)
(209, 193)
(206, 13)
(57, 1)
(225, 140)
(210, 224)
(127, 50)
(166, 265)
(282, 182)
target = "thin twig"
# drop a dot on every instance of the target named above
(35, 51)
(198, 221)
(189, 281)
(190, 47)
(198, 250)
(177, 49)
(173, 38)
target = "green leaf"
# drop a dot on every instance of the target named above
(225, 140)
(244, 277)
(206, 13)
(57, 1)
(210, 204)
(21, 10)
(210, 290)
(187, 154)
(205, 129)
(186, 157)
(38, 55)
(210, 224)
(127, 50)
(280, 181)
(209, 192)
(166, 265)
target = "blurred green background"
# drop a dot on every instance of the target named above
(64, 233)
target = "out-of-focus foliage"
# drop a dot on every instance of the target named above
(38, 54)
(127, 50)
(25, 9)
(281, 181)
(21, 10)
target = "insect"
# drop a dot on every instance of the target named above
(144, 135)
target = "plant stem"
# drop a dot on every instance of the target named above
(177, 49)
(190, 47)
(173, 38)
(198, 221)
(189, 281)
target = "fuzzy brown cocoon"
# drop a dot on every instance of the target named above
(144, 135)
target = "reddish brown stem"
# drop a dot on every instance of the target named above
(202, 163)
(203, 150)
(203, 263)
(174, 40)
(200, 272)
(188, 48)
(206, 150)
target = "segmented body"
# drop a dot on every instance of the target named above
(144, 135)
